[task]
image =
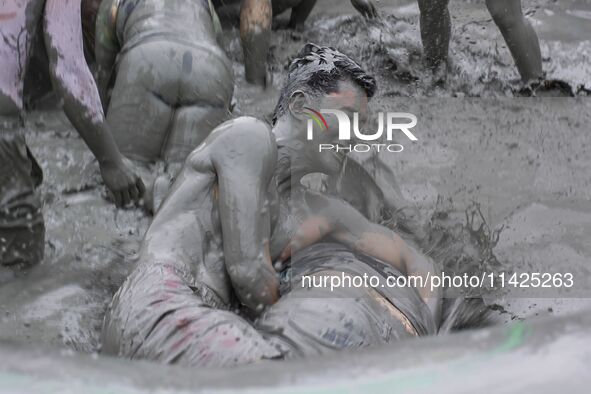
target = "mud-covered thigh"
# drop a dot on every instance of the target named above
(156, 316)
(168, 96)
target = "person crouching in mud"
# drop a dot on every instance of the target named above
(519, 34)
(22, 229)
(173, 82)
(238, 206)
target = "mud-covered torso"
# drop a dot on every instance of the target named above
(186, 230)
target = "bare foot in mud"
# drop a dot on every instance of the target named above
(546, 88)
(437, 76)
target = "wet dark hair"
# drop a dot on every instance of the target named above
(319, 69)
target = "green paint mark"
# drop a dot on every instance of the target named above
(515, 338)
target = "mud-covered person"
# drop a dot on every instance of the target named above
(21, 221)
(238, 206)
(172, 83)
(256, 17)
(518, 33)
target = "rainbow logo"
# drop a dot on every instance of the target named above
(317, 117)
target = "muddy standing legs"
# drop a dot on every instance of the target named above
(519, 35)
(435, 31)
(507, 14)
(255, 33)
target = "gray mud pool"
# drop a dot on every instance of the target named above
(525, 161)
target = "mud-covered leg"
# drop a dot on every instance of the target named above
(22, 229)
(204, 98)
(156, 316)
(520, 36)
(139, 120)
(190, 126)
(256, 17)
(138, 115)
(300, 13)
(435, 31)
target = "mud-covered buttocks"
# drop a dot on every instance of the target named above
(157, 316)
(167, 99)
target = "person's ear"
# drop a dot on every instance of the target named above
(298, 101)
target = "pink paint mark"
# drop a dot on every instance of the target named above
(229, 342)
(173, 284)
(5, 17)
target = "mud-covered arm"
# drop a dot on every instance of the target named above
(354, 230)
(106, 47)
(74, 85)
(331, 217)
(244, 161)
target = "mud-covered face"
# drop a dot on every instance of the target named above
(326, 148)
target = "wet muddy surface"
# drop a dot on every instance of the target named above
(525, 161)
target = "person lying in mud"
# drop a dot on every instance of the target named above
(173, 82)
(236, 208)
(255, 26)
(22, 229)
(519, 34)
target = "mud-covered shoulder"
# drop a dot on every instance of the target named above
(238, 141)
(244, 136)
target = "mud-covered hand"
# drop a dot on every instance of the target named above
(365, 8)
(123, 183)
(74, 85)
